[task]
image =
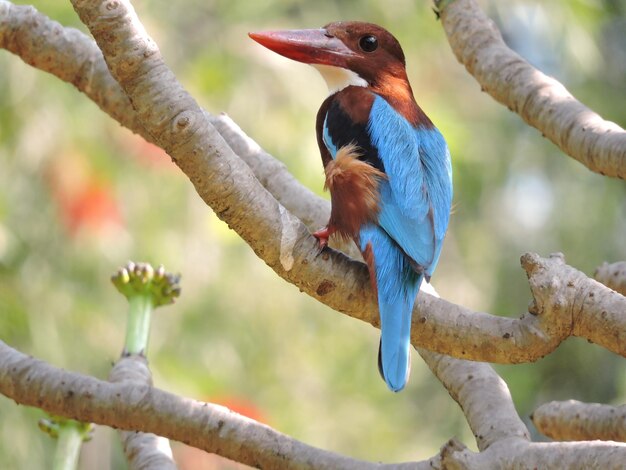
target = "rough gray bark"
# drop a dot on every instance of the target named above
(540, 100)
(131, 406)
(257, 197)
(576, 421)
(613, 276)
(143, 451)
(211, 150)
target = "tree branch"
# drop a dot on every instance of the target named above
(229, 186)
(142, 450)
(541, 101)
(134, 406)
(213, 428)
(482, 395)
(569, 303)
(75, 58)
(519, 453)
(576, 421)
(253, 155)
(66, 53)
(566, 302)
(613, 276)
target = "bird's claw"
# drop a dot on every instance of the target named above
(322, 236)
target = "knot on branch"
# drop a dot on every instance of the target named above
(546, 282)
(133, 368)
(109, 25)
(449, 454)
(530, 262)
(613, 276)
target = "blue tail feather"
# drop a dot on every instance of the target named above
(395, 337)
(397, 285)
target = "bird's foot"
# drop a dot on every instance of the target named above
(323, 235)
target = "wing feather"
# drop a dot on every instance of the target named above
(415, 203)
(415, 197)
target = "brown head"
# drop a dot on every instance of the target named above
(365, 53)
(351, 53)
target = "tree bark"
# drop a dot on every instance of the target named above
(575, 421)
(132, 406)
(541, 101)
(262, 202)
(264, 218)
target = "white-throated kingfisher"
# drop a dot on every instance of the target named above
(387, 168)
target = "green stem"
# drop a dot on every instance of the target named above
(68, 447)
(138, 329)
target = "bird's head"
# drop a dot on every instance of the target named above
(345, 53)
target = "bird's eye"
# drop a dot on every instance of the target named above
(368, 43)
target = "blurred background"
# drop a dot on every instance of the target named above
(79, 196)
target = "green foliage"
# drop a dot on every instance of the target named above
(79, 195)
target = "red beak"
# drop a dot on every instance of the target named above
(311, 46)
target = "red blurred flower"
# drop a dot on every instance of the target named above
(190, 458)
(241, 405)
(146, 153)
(86, 203)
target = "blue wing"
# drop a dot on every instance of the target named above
(414, 208)
(416, 198)
(414, 211)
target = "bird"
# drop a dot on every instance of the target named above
(386, 165)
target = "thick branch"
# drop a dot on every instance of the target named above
(143, 451)
(175, 122)
(520, 454)
(138, 407)
(275, 177)
(131, 406)
(569, 303)
(311, 209)
(66, 53)
(541, 101)
(576, 421)
(613, 276)
(75, 58)
(482, 395)
(283, 242)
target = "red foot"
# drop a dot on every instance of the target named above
(322, 235)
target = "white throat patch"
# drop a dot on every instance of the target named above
(337, 78)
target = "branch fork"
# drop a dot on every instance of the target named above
(257, 197)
